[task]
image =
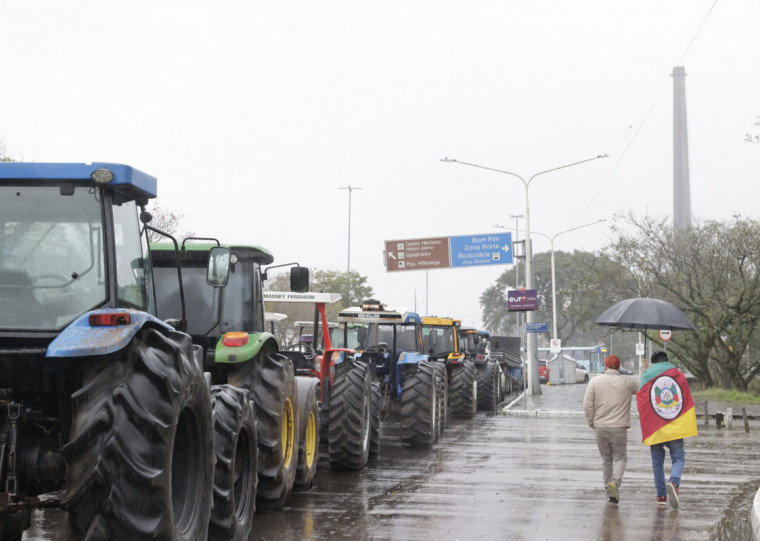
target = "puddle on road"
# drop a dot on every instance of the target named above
(736, 524)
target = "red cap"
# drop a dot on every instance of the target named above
(613, 361)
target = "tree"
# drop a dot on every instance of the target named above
(711, 271)
(581, 293)
(3, 153)
(168, 222)
(753, 138)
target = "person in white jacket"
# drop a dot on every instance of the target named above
(607, 406)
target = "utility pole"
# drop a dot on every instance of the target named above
(348, 265)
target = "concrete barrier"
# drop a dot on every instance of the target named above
(756, 516)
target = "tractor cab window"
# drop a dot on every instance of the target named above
(52, 264)
(438, 339)
(131, 273)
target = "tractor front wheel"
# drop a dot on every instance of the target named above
(308, 422)
(236, 471)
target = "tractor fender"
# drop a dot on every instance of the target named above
(406, 360)
(258, 342)
(80, 339)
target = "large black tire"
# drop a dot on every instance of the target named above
(442, 395)
(140, 457)
(308, 421)
(236, 471)
(419, 407)
(272, 382)
(350, 426)
(463, 390)
(488, 386)
(377, 410)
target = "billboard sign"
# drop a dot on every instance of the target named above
(522, 300)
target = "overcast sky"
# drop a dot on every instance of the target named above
(252, 114)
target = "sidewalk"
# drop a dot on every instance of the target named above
(720, 479)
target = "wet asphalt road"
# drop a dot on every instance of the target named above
(533, 473)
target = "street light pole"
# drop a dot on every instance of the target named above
(348, 265)
(554, 278)
(533, 383)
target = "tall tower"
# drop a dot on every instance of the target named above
(681, 189)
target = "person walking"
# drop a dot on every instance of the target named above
(667, 415)
(607, 406)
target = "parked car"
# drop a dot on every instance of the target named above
(581, 376)
(543, 372)
(624, 371)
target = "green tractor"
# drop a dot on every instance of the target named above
(225, 305)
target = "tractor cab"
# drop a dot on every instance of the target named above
(391, 338)
(440, 339)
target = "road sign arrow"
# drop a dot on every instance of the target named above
(390, 254)
(505, 248)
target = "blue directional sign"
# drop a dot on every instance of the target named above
(537, 327)
(479, 250)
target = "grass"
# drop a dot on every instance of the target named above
(726, 395)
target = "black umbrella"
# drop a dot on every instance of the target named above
(645, 313)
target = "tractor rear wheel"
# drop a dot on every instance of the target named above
(350, 426)
(272, 382)
(308, 422)
(443, 396)
(419, 407)
(488, 386)
(236, 472)
(463, 390)
(377, 407)
(140, 456)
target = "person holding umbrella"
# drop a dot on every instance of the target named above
(607, 406)
(667, 415)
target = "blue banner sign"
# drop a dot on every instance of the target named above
(537, 327)
(479, 250)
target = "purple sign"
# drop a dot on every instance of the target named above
(522, 300)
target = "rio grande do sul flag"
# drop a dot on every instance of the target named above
(666, 409)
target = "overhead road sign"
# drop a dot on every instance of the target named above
(480, 250)
(417, 254)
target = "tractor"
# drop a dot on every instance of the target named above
(348, 420)
(440, 340)
(476, 346)
(406, 387)
(104, 407)
(224, 295)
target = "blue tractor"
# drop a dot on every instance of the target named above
(406, 387)
(101, 402)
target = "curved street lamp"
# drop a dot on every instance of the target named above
(533, 383)
(554, 280)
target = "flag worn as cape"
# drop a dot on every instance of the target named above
(666, 409)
